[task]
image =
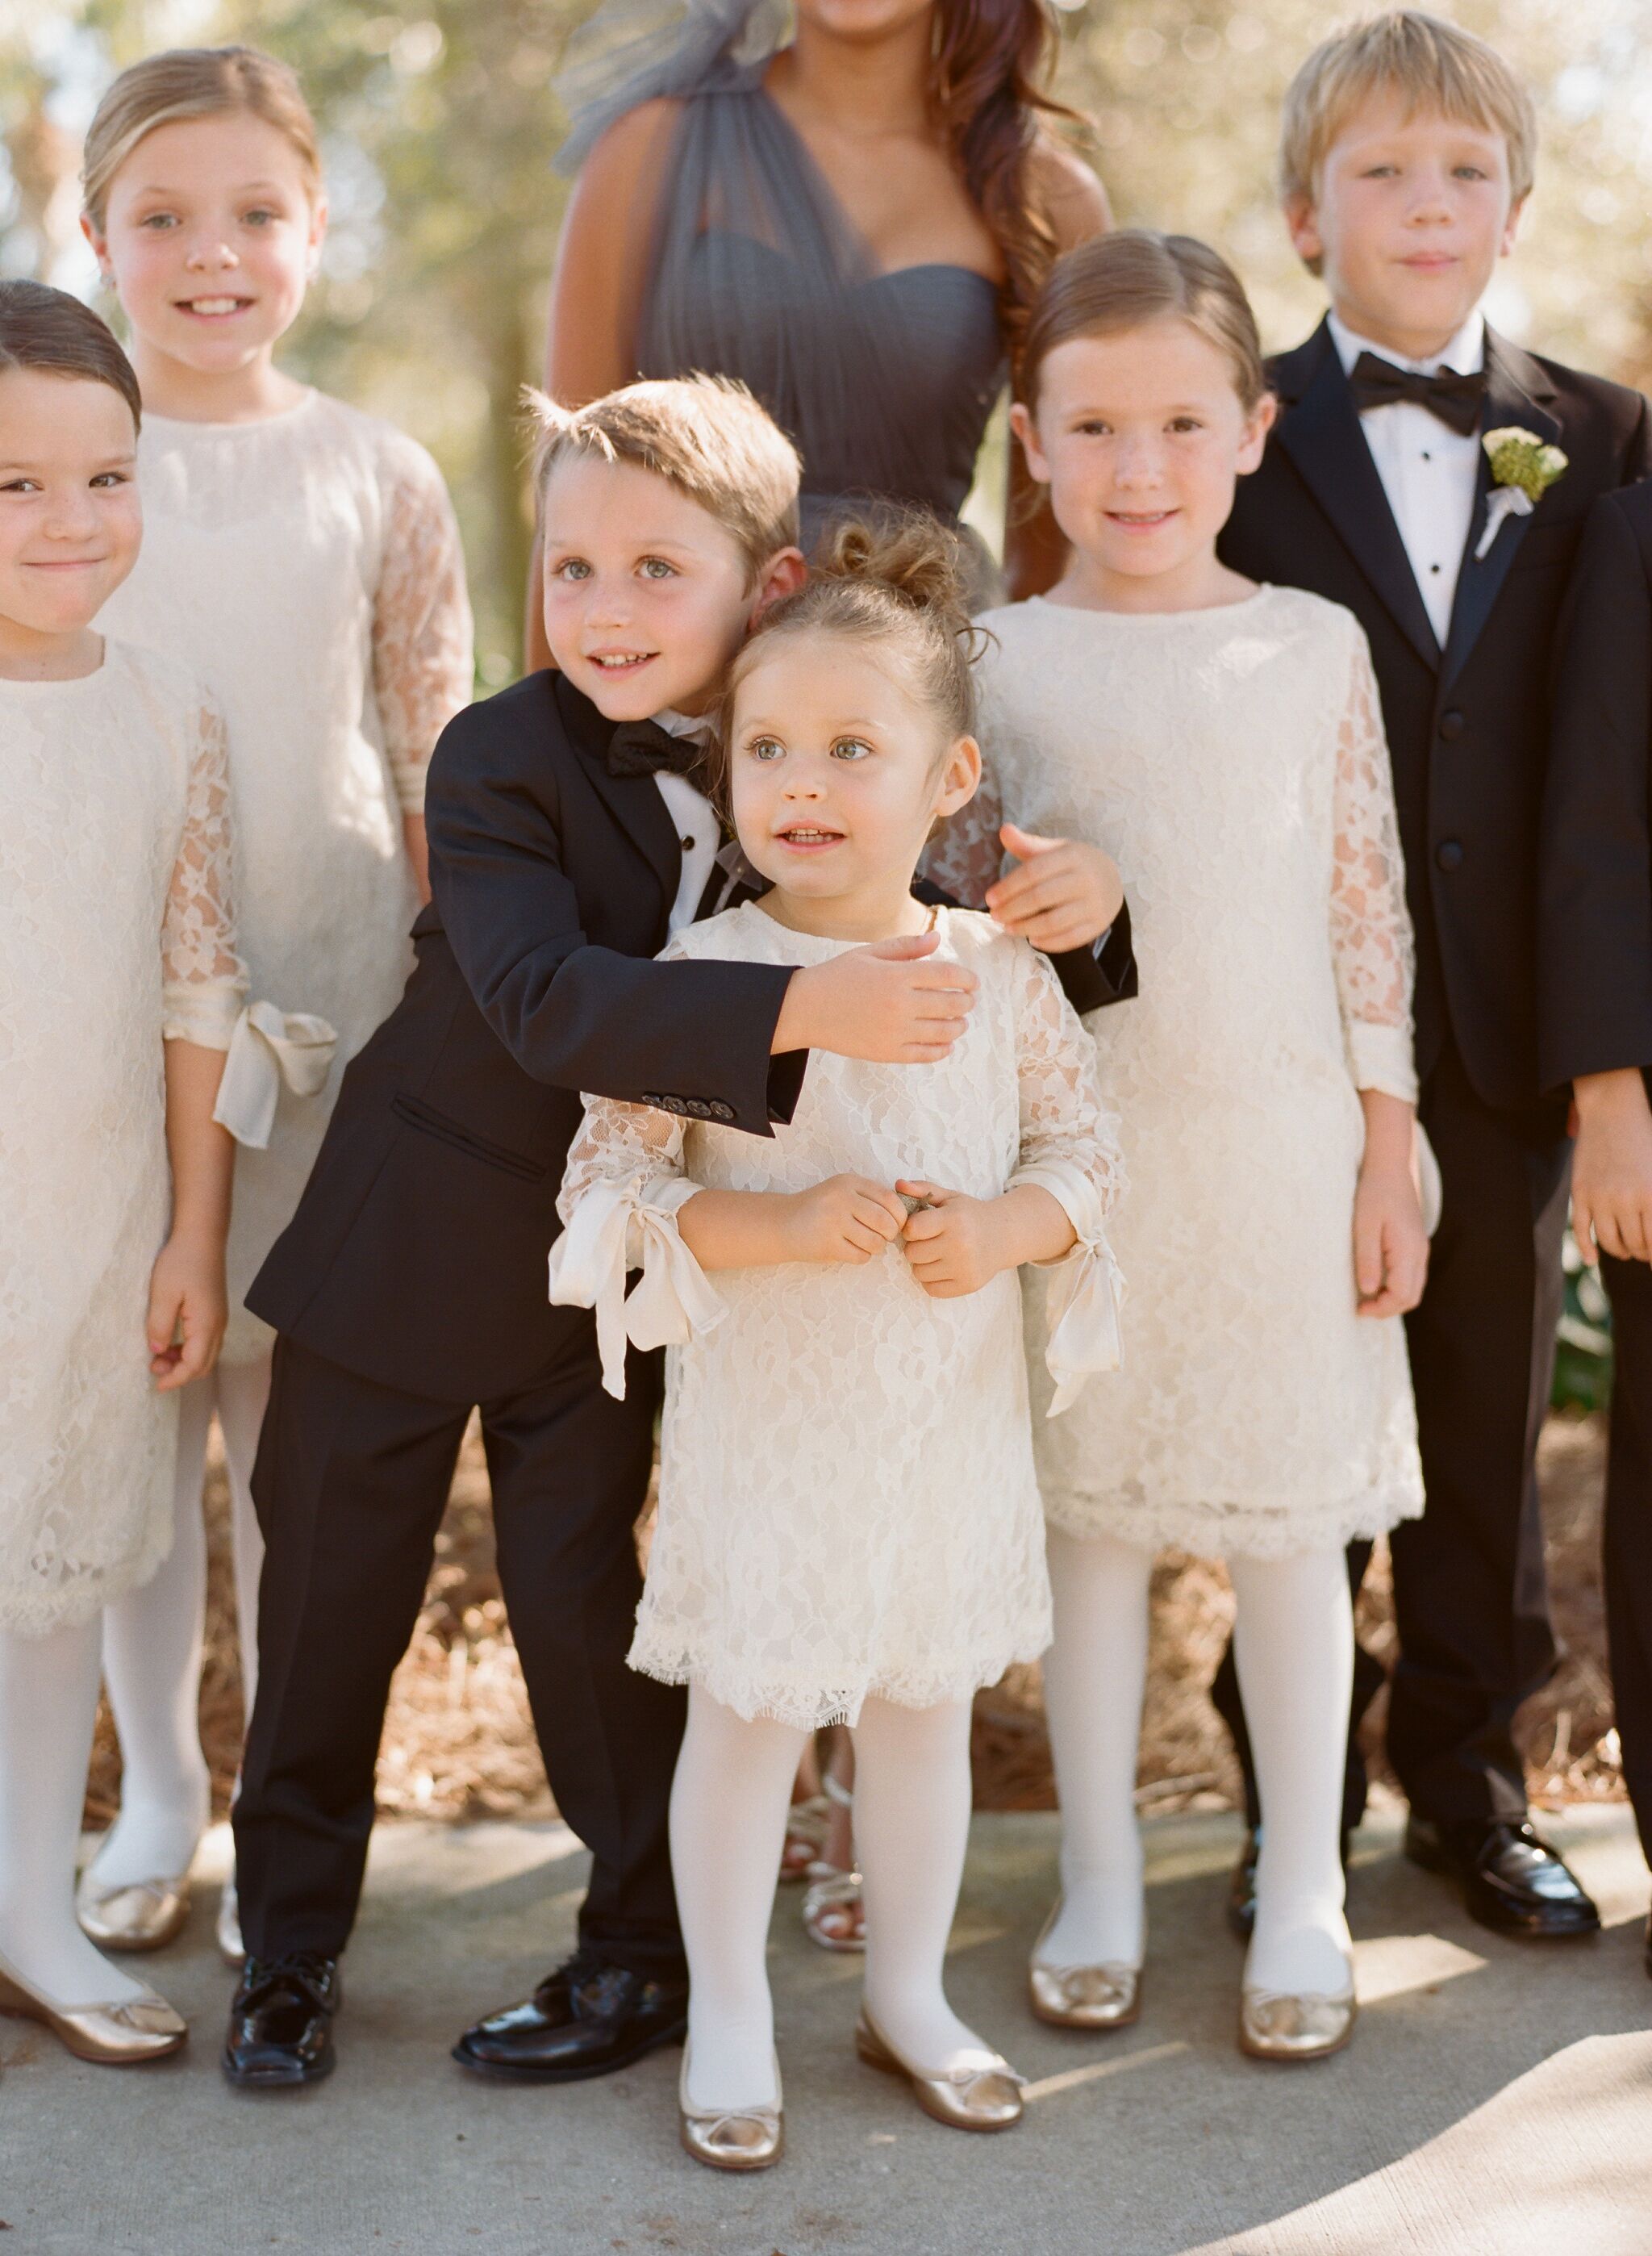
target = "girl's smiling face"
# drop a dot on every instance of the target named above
(837, 769)
(1141, 436)
(211, 234)
(70, 522)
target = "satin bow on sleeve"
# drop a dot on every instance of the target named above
(1086, 1288)
(617, 1227)
(269, 1046)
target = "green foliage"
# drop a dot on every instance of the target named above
(1583, 1359)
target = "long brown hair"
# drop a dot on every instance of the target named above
(992, 64)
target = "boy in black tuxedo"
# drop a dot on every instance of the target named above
(1406, 159)
(567, 838)
(1595, 1031)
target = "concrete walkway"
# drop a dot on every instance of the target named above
(1497, 2099)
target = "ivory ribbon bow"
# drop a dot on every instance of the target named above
(671, 1300)
(1085, 1290)
(269, 1046)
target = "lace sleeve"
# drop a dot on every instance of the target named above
(422, 637)
(203, 980)
(963, 857)
(1371, 943)
(1069, 1147)
(621, 1191)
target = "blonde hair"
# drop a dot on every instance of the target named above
(1433, 64)
(1123, 281)
(898, 579)
(704, 434)
(194, 82)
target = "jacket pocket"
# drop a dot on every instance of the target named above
(429, 1121)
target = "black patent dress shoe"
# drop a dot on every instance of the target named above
(1512, 1882)
(1242, 1886)
(587, 2019)
(281, 2022)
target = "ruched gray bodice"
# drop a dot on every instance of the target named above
(884, 381)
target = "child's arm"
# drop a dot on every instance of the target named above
(422, 666)
(1372, 957)
(846, 1218)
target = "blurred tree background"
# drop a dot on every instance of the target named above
(440, 122)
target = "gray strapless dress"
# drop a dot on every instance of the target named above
(883, 381)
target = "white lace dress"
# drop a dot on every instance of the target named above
(308, 567)
(1233, 763)
(115, 932)
(848, 1504)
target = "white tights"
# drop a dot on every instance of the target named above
(48, 1704)
(152, 1641)
(1294, 1645)
(728, 1818)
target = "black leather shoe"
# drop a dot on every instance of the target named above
(1512, 1882)
(587, 2019)
(281, 2022)
(1242, 1886)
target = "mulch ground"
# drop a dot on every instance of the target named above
(458, 1743)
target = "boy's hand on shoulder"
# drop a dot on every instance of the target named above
(953, 1243)
(1065, 894)
(1612, 1170)
(887, 1002)
(188, 1310)
(846, 1218)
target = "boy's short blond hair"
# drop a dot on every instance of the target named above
(704, 434)
(1434, 65)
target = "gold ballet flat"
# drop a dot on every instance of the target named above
(1105, 1995)
(138, 2029)
(731, 2138)
(1275, 2024)
(137, 1915)
(985, 2099)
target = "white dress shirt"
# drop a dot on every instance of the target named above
(698, 832)
(1430, 473)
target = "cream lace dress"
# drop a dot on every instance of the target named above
(308, 567)
(115, 932)
(1233, 763)
(848, 1498)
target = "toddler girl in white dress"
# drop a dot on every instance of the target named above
(1225, 742)
(849, 1527)
(303, 558)
(120, 988)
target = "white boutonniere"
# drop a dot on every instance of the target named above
(1524, 469)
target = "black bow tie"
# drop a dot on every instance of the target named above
(1455, 399)
(642, 747)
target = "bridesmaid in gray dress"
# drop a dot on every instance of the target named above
(848, 204)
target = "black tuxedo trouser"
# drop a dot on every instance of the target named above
(1628, 1528)
(1469, 1595)
(351, 1483)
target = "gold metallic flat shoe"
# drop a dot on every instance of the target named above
(140, 2028)
(732, 2137)
(227, 1927)
(1105, 1995)
(826, 1896)
(138, 1915)
(985, 2099)
(1274, 2024)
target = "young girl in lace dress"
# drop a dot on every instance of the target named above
(303, 557)
(848, 1526)
(120, 988)
(1224, 741)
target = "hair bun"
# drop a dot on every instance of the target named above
(908, 551)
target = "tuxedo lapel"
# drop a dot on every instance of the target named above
(1320, 431)
(1515, 389)
(634, 801)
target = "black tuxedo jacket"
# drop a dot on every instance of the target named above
(1595, 955)
(1468, 726)
(417, 1256)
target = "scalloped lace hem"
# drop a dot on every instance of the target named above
(807, 1706)
(1244, 1531)
(34, 1612)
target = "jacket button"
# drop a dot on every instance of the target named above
(1452, 726)
(720, 1110)
(1448, 855)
